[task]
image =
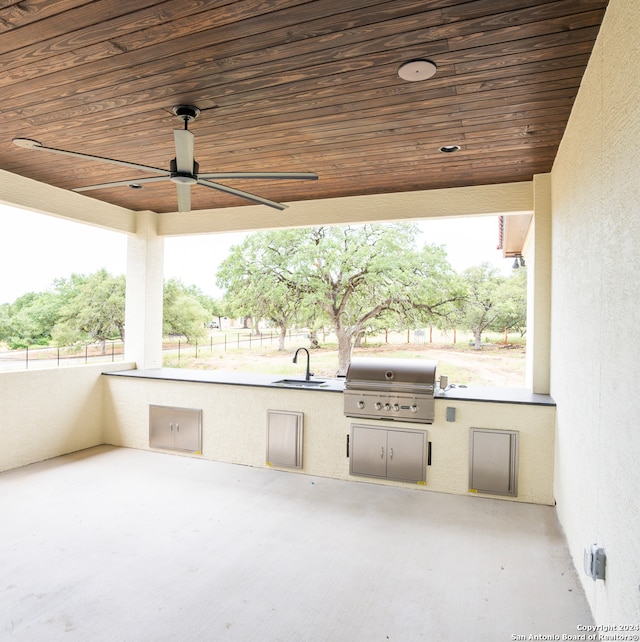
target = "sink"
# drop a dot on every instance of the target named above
(300, 383)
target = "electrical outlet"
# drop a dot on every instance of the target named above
(594, 562)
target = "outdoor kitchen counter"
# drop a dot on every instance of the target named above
(235, 407)
(230, 378)
(488, 394)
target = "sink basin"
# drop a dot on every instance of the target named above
(300, 383)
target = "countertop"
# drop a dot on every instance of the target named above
(489, 394)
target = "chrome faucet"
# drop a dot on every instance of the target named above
(308, 374)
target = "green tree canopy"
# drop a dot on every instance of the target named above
(29, 319)
(512, 303)
(90, 308)
(481, 309)
(183, 313)
(256, 277)
(347, 275)
(93, 309)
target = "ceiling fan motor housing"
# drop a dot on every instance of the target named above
(187, 113)
(183, 177)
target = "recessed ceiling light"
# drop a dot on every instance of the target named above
(448, 149)
(415, 70)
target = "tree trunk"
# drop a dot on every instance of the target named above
(478, 339)
(281, 338)
(344, 351)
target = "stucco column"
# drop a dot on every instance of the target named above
(539, 288)
(143, 307)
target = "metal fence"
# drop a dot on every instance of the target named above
(176, 349)
(35, 357)
(228, 341)
(44, 357)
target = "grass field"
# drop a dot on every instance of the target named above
(495, 365)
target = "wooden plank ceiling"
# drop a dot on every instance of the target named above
(288, 85)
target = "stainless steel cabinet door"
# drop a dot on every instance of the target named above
(187, 429)
(368, 451)
(406, 455)
(173, 428)
(284, 438)
(493, 461)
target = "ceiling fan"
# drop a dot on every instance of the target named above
(183, 169)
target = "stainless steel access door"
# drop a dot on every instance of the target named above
(493, 462)
(172, 428)
(368, 451)
(284, 438)
(406, 455)
(390, 453)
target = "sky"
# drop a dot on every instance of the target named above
(35, 249)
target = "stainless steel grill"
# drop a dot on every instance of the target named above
(396, 389)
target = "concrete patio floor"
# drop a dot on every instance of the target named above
(123, 545)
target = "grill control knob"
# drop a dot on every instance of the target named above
(387, 406)
(378, 405)
(396, 407)
(414, 408)
(361, 404)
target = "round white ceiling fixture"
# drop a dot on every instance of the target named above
(416, 70)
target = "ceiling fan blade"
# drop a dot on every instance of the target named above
(309, 176)
(184, 197)
(238, 192)
(27, 143)
(184, 141)
(133, 181)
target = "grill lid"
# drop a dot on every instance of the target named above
(392, 375)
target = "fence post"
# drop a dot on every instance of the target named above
(178, 350)
(86, 354)
(196, 348)
(27, 358)
(58, 356)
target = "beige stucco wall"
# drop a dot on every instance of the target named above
(234, 430)
(47, 413)
(596, 317)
